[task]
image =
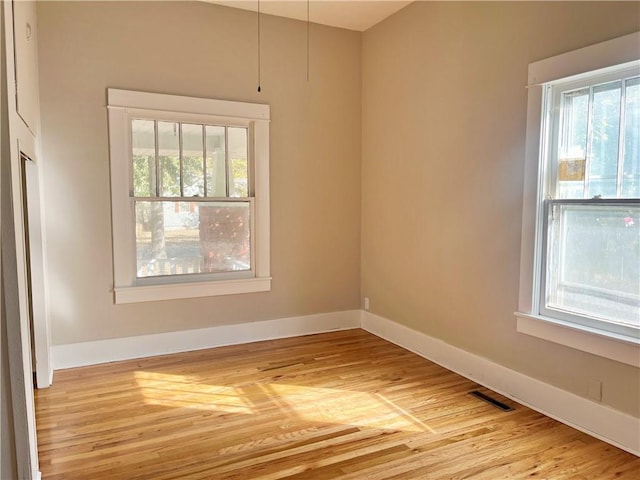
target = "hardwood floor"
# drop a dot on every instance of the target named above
(341, 405)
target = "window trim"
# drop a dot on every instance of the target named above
(530, 321)
(122, 106)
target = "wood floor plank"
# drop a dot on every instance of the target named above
(342, 405)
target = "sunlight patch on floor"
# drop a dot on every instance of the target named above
(346, 407)
(181, 391)
(314, 404)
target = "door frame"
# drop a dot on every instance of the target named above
(35, 256)
(14, 263)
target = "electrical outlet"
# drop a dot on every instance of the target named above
(366, 303)
(594, 389)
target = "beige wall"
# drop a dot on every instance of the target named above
(202, 50)
(444, 115)
(438, 91)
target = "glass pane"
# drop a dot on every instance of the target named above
(216, 170)
(631, 163)
(594, 262)
(169, 159)
(238, 169)
(192, 160)
(143, 155)
(225, 236)
(603, 165)
(573, 144)
(180, 238)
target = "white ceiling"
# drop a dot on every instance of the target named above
(350, 14)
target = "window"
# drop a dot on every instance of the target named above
(581, 223)
(591, 232)
(190, 197)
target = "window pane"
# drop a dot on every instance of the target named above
(216, 170)
(631, 165)
(192, 160)
(603, 165)
(573, 144)
(225, 236)
(238, 176)
(169, 159)
(180, 238)
(143, 153)
(594, 262)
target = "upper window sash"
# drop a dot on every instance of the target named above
(551, 129)
(206, 122)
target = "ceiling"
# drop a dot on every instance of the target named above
(350, 14)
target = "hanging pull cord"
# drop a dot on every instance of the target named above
(259, 89)
(308, 1)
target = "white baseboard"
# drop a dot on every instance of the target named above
(600, 421)
(104, 351)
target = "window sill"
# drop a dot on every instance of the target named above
(153, 293)
(615, 347)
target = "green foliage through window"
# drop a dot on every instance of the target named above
(171, 159)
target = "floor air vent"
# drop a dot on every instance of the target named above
(492, 401)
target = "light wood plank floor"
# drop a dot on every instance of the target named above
(341, 405)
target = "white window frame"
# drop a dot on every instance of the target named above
(530, 319)
(125, 105)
